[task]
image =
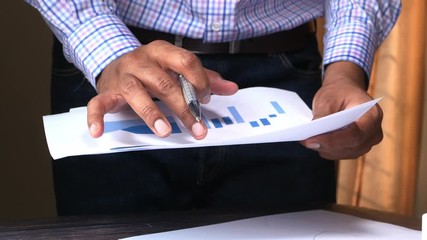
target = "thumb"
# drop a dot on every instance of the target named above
(219, 85)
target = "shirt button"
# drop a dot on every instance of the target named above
(216, 26)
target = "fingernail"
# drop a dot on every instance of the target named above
(162, 128)
(197, 129)
(93, 129)
(313, 145)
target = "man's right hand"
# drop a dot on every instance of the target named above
(151, 71)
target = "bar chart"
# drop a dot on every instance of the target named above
(231, 116)
(236, 118)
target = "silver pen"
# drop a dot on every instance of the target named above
(190, 97)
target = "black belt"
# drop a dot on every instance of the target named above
(284, 41)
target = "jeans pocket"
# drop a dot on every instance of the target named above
(301, 66)
(304, 75)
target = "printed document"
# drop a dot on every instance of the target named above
(252, 115)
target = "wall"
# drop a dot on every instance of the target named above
(25, 166)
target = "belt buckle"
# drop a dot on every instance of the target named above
(234, 47)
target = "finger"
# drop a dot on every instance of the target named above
(165, 87)
(141, 102)
(344, 152)
(349, 142)
(334, 141)
(183, 62)
(96, 109)
(219, 85)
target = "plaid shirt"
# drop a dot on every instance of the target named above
(94, 33)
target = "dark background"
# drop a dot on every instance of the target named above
(26, 189)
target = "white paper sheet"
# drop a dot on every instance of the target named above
(306, 225)
(424, 226)
(252, 115)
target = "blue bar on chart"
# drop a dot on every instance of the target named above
(227, 120)
(254, 123)
(216, 123)
(236, 115)
(277, 106)
(136, 126)
(272, 115)
(175, 128)
(119, 125)
(265, 121)
(206, 121)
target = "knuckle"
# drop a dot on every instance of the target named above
(166, 87)
(157, 43)
(185, 113)
(147, 111)
(380, 137)
(376, 139)
(129, 86)
(189, 60)
(156, 46)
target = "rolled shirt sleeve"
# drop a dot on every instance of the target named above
(355, 29)
(91, 33)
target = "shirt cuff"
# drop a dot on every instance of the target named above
(98, 42)
(355, 43)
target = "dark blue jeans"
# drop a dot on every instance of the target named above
(246, 176)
